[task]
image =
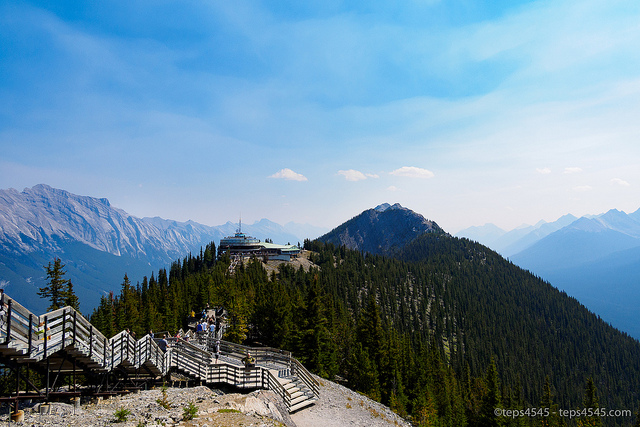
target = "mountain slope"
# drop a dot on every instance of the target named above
(384, 229)
(531, 328)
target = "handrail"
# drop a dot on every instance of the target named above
(301, 372)
(33, 338)
(277, 388)
(261, 354)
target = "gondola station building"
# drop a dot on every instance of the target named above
(241, 245)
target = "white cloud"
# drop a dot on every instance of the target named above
(352, 175)
(393, 188)
(620, 182)
(289, 175)
(582, 188)
(572, 170)
(412, 172)
(543, 171)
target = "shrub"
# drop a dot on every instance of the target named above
(121, 415)
(189, 411)
(164, 400)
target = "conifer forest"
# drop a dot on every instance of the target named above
(444, 332)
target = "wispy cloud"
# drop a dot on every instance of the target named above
(620, 182)
(572, 170)
(543, 171)
(583, 188)
(412, 172)
(289, 175)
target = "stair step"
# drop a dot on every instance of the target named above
(296, 395)
(302, 404)
(298, 399)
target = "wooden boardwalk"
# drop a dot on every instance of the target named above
(63, 343)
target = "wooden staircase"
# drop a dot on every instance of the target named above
(63, 341)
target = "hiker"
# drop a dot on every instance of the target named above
(163, 344)
(249, 361)
(217, 350)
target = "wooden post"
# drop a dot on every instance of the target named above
(48, 367)
(45, 337)
(16, 405)
(64, 327)
(75, 321)
(8, 323)
(30, 332)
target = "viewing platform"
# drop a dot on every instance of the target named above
(62, 344)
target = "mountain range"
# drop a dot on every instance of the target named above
(595, 259)
(98, 243)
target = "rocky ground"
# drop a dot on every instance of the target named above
(337, 406)
(340, 407)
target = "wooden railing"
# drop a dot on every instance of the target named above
(27, 337)
(261, 354)
(301, 372)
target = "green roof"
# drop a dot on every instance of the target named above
(283, 248)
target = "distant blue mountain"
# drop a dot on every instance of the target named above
(486, 234)
(516, 240)
(533, 235)
(597, 261)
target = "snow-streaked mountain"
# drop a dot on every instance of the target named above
(98, 242)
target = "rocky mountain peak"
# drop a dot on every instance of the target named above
(381, 230)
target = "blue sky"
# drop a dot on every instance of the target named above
(467, 112)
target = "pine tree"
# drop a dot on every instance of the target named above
(59, 291)
(491, 399)
(591, 403)
(71, 299)
(547, 403)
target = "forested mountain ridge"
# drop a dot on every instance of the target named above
(445, 332)
(382, 230)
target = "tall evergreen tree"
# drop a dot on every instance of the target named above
(591, 404)
(59, 290)
(491, 399)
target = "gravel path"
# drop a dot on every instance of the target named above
(340, 407)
